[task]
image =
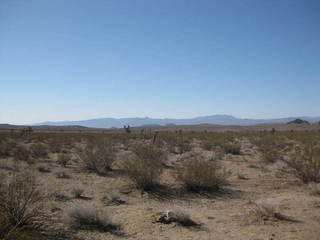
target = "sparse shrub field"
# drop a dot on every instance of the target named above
(117, 184)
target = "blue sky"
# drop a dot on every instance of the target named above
(81, 59)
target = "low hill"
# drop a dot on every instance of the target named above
(298, 121)
(225, 120)
(46, 128)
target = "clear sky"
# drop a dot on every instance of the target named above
(81, 59)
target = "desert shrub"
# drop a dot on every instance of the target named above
(113, 198)
(21, 207)
(232, 148)
(306, 162)
(98, 157)
(211, 143)
(177, 144)
(89, 217)
(21, 153)
(56, 144)
(183, 146)
(145, 167)
(6, 147)
(39, 150)
(314, 188)
(63, 159)
(200, 174)
(266, 209)
(270, 153)
(271, 146)
(208, 145)
(77, 191)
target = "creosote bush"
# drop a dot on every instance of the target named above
(21, 153)
(39, 150)
(270, 146)
(145, 167)
(306, 162)
(200, 174)
(89, 218)
(6, 147)
(98, 157)
(183, 146)
(232, 148)
(21, 207)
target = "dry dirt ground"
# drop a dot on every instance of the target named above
(226, 214)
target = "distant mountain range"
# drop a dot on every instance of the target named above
(137, 122)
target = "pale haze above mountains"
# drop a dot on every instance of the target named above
(136, 122)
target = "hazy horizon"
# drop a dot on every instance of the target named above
(191, 117)
(79, 59)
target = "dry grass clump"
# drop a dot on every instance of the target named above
(199, 174)
(39, 150)
(98, 157)
(145, 167)
(21, 207)
(306, 162)
(314, 188)
(240, 174)
(113, 198)
(266, 209)
(89, 218)
(77, 191)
